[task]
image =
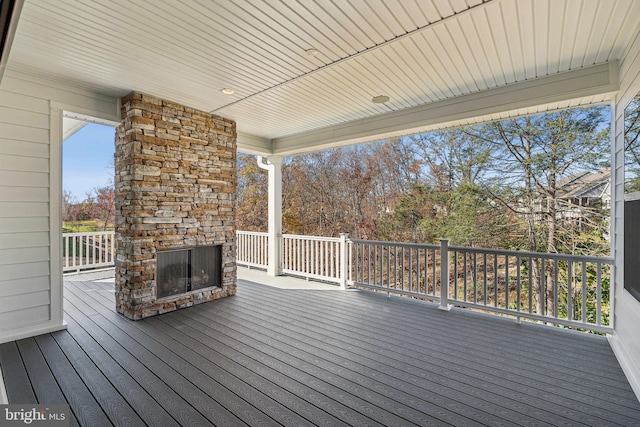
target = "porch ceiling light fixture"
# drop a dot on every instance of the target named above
(380, 99)
(312, 52)
(227, 91)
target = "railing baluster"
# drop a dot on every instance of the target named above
(531, 273)
(455, 275)
(506, 281)
(543, 288)
(435, 274)
(395, 269)
(495, 280)
(485, 278)
(599, 294)
(518, 286)
(556, 266)
(402, 269)
(410, 269)
(388, 267)
(569, 291)
(475, 278)
(584, 291)
(464, 276)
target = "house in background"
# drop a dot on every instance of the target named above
(584, 189)
(277, 79)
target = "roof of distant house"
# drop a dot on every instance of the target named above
(584, 184)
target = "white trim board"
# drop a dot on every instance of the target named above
(580, 83)
(3, 391)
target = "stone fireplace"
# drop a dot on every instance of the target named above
(175, 184)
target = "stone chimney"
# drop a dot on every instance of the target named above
(175, 186)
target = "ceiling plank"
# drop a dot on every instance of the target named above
(584, 82)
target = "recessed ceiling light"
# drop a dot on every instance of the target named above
(380, 99)
(312, 52)
(227, 91)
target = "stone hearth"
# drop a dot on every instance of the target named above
(175, 184)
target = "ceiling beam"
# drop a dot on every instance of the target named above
(582, 82)
(252, 144)
(9, 15)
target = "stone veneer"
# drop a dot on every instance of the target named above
(175, 186)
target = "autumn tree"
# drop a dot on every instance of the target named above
(252, 195)
(103, 204)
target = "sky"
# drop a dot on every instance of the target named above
(87, 160)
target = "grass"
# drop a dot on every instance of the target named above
(84, 226)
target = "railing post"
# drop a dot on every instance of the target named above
(444, 275)
(344, 260)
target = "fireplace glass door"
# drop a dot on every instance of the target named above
(185, 270)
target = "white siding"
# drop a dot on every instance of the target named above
(626, 338)
(30, 273)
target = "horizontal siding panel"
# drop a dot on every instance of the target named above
(11, 225)
(25, 301)
(21, 318)
(20, 194)
(24, 102)
(24, 133)
(25, 179)
(24, 118)
(23, 148)
(60, 92)
(26, 209)
(24, 164)
(19, 286)
(22, 271)
(23, 240)
(22, 255)
(630, 86)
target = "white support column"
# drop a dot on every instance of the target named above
(273, 164)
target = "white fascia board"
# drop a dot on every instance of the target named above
(575, 84)
(252, 144)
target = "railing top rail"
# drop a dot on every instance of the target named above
(87, 233)
(318, 238)
(399, 244)
(254, 233)
(524, 254)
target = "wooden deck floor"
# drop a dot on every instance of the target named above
(314, 357)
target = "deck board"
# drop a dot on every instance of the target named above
(85, 407)
(372, 332)
(169, 371)
(314, 357)
(46, 387)
(225, 388)
(15, 375)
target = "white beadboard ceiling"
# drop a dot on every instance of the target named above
(417, 52)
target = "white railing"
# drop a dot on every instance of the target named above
(252, 249)
(558, 289)
(568, 290)
(313, 257)
(89, 250)
(571, 290)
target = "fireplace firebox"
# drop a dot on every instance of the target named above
(180, 271)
